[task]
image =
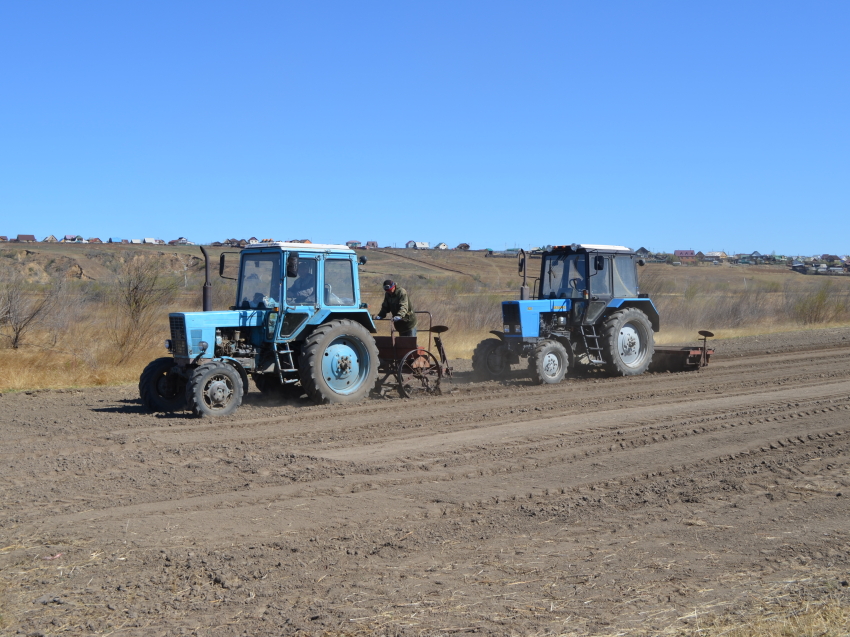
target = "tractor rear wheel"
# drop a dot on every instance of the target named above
(490, 360)
(161, 387)
(339, 363)
(214, 389)
(628, 343)
(548, 363)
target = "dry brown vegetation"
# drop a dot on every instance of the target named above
(95, 315)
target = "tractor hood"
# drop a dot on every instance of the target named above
(189, 329)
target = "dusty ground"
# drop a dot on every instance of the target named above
(598, 506)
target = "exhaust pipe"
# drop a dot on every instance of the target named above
(207, 293)
(524, 293)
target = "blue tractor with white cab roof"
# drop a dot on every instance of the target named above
(585, 309)
(298, 326)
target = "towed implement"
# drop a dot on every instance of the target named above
(585, 309)
(409, 368)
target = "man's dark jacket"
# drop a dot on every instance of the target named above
(398, 303)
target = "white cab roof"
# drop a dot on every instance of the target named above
(302, 246)
(594, 246)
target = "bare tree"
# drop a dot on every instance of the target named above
(67, 310)
(21, 310)
(143, 291)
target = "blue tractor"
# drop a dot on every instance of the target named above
(587, 310)
(298, 326)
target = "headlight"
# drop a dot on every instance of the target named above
(507, 329)
(168, 344)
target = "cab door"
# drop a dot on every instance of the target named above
(300, 296)
(601, 291)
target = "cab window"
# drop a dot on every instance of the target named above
(600, 280)
(339, 282)
(301, 290)
(259, 284)
(625, 277)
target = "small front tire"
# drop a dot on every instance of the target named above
(214, 389)
(548, 363)
(161, 387)
(491, 360)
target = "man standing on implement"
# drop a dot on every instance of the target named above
(397, 303)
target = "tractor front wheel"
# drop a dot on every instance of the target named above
(628, 342)
(214, 389)
(161, 387)
(490, 360)
(339, 363)
(548, 363)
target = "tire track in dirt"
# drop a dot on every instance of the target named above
(596, 504)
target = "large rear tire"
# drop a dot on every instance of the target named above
(490, 360)
(214, 389)
(548, 363)
(161, 387)
(339, 363)
(628, 342)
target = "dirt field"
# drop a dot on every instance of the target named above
(599, 506)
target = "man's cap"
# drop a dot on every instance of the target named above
(389, 283)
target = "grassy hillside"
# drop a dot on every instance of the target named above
(79, 342)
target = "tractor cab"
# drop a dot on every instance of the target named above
(590, 276)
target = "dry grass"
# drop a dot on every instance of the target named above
(73, 348)
(814, 607)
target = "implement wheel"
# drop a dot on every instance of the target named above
(419, 373)
(161, 387)
(490, 360)
(628, 342)
(214, 389)
(548, 363)
(339, 363)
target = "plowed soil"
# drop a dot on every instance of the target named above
(597, 506)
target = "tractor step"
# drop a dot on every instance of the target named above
(592, 344)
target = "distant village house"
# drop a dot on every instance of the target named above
(684, 256)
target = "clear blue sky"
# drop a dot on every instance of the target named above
(670, 125)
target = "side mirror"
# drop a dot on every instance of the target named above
(598, 263)
(521, 264)
(222, 264)
(362, 260)
(641, 262)
(292, 264)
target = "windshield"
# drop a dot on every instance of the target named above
(259, 283)
(563, 276)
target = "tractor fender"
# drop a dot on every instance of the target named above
(644, 305)
(501, 335)
(359, 317)
(566, 342)
(235, 364)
